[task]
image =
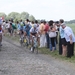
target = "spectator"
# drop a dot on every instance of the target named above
(62, 41)
(70, 38)
(42, 34)
(46, 33)
(57, 29)
(52, 35)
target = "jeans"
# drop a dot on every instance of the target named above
(50, 45)
(47, 39)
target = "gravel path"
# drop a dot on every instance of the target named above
(15, 60)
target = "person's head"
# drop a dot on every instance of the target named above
(51, 22)
(57, 23)
(36, 21)
(21, 20)
(32, 22)
(61, 21)
(44, 22)
(6, 21)
(63, 25)
(26, 21)
(11, 24)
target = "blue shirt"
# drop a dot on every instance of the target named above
(27, 31)
(18, 26)
(62, 35)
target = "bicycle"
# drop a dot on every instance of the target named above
(21, 39)
(34, 45)
(26, 42)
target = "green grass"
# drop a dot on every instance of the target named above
(56, 55)
(72, 26)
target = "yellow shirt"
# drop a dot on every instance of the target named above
(42, 28)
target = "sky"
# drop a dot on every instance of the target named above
(41, 9)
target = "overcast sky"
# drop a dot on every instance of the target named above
(41, 9)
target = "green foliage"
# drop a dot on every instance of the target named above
(13, 15)
(17, 16)
(24, 15)
(31, 18)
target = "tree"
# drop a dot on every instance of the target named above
(24, 15)
(13, 15)
(31, 18)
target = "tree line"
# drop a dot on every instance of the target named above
(24, 15)
(17, 16)
(70, 22)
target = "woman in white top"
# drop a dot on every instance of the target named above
(52, 34)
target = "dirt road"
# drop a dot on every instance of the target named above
(15, 60)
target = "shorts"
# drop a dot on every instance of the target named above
(34, 34)
(10, 30)
(63, 41)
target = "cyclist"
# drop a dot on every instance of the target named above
(33, 33)
(21, 28)
(26, 30)
(1, 32)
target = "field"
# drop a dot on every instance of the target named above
(72, 26)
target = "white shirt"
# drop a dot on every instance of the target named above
(32, 30)
(68, 31)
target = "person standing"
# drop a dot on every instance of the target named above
(42, 34)
(70, 39)
(52, 35)
(62, 41)
(46, 33)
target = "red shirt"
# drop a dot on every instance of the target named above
(46, 27)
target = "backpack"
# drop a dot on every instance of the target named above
(14, 26)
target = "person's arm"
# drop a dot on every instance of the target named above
(53, 29)
(70, 35)
(71, 39)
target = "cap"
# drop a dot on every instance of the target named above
(42, 21)
(63, 24)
